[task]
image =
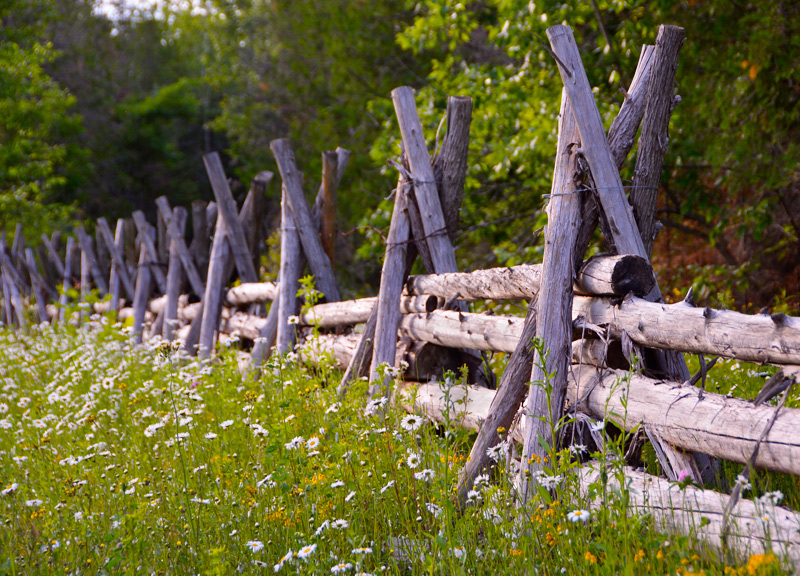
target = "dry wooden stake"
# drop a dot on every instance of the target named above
(118, 267)
(154, 264)
(655, 132)
(391, 287)
(178, 246)
(176, 224)
(289, 275)
(87, 253)
(308, 232)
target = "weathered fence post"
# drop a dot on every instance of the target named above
(655, 132)
(309, 234)
(175, 226)
(554, 307)
(388, 305)
(152, 254)
(291, 255)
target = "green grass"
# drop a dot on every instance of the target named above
(118, 459)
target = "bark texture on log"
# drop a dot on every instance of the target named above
(655, 131)
(752, 338)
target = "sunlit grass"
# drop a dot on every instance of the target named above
(124, 459)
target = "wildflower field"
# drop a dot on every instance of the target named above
(117, 458)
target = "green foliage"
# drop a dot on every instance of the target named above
(35, 119)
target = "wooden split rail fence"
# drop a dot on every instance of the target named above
(595, 317)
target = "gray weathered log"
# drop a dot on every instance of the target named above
(38, 286)
(177, 245)
(251, 293)
(554, 308)
(200, 238)
(143, 227)
(230, 214)
(215, 284)
(655, 132)
(69, 280)
(91, 258)
(12, 284)
(391, 287)
(348, 312)
(330, 166)
(86, 276)
(602, 275)
(594, 143)
(265, 340)
(622, 133)
(290, 266)
(142, 291)
(425, 190)
(55, 259)
(118, 266)
(362, 358)
(464, 330)
(303, 222)
(176, 225)
(752, 338)
(616, 211)
(753, 527)
(598, 353)
(450, 163)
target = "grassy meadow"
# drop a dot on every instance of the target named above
(118, 459)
